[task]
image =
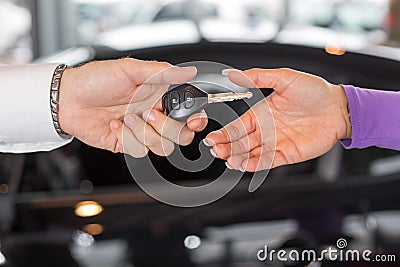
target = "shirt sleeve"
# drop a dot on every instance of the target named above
(26, 123)
(375, 118)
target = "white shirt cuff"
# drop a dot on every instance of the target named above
(26, 123)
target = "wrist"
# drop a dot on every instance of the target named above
(346, 128)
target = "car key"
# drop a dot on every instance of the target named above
(185, 100)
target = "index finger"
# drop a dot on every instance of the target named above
(235, 130)
(278, 79)
(173, 75)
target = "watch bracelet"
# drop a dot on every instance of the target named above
(54, 99)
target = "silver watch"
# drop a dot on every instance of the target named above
(54, 97)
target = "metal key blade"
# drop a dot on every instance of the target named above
(226, 97)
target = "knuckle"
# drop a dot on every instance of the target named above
(231, 161)
(235, 162)
(258, 138)
(128, 62)
(221, 151)
(186, 138)
(142, 153)
(164, 64)
(152, 142)
(233, 132)
(165, 148)
(137, 153)
(241, 145)
(168, 149)
(255, 70)
(285, 71)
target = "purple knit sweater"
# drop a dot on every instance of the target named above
(375, 118)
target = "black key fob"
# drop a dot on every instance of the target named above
(182, 101)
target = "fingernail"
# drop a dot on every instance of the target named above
(213, 153)
(130, 120)
(242, 169)
(114, 125)
(226, 72)
(203, 116)
(149, 115)
(199, 129)
(228, 166)
(208, 142)
(190, 68)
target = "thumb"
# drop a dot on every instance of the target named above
(153, 72)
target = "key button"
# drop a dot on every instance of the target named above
(174, 98)
(189, 100)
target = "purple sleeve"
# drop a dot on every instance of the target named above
(375, 118)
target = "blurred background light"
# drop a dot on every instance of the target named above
(192, 242)
(2, 259)
(3, 188)
(93, 229)
(82, 239)
(335, 49)
(86, 187)
(88, 209)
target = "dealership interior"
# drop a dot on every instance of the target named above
(83, 206)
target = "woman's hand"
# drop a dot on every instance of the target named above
(303, 119)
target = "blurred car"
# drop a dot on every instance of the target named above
(347, 25)
(215, 20)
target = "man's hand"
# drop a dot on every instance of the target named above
(303, 119)
(95, 98)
